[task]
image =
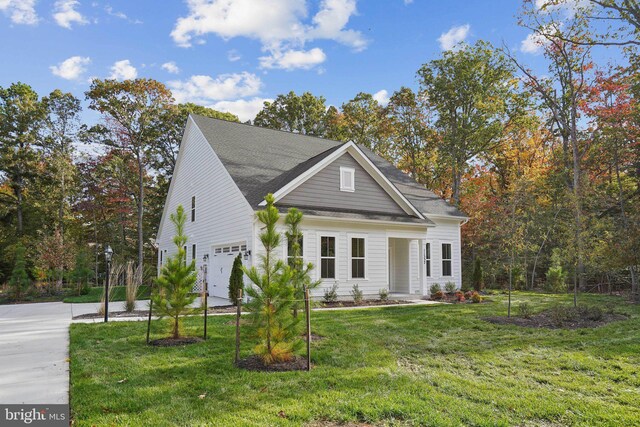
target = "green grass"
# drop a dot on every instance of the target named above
(423, 365)
(95, 295)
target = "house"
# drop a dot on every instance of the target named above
(365, 222)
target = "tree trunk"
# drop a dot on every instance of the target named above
(18, 190)
(176, 327)
(140, 211)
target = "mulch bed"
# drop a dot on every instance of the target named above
(255, 363)
(364, 303)
(546, 320)
(135, 313)
(173, 342)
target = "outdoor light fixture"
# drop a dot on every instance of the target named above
(108, 254)
(205, 258)
(247, 254)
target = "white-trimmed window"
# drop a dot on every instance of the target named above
(446, 259)
(290, 254)
(358, 261)
(347, 179)
(427, 259)
(193, 252)
(327, 257)
(193, 208)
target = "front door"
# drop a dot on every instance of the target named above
(220, 270)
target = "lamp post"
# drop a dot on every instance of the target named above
(108, 253)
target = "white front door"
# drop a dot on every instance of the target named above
(220, 270)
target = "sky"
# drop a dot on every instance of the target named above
(232, 55)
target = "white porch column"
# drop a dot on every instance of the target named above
(423, 278)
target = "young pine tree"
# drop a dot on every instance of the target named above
(19, 281)
(477, 275)
(272, 295)
(301, 273)
(172, 296)
(236, 279)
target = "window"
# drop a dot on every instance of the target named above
(327, 257)
(427, 259)
(161, 258)
(235, 248)
(185, 253)
(358, 258)
(193, 252)
(290, 250)
(193, 208)
(446, 259)
(347, 179)
(218, 250)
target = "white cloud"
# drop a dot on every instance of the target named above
(282, 26)
(244, 109)
(65, 13)
(120, 15)
(292, 59)
(534, 44)
(454, 36)
(71, 68)
(171, 67)
(233, 55)
(408, 2)
(123, 70)
(20, 11)
(205, 89)
(382, 96)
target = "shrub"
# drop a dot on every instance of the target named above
(331, 294)
(436, 296)
(450, 287)
(459, 296)
(558, 314)
(525, 310)
(477, 280)
(469, 294)
(435, 288)
(19, 280)
(236, 281)
(556, 275)
(476, 298)
(591, 313)
(356, 294)
(272, 295)
(384, 294)
(172, 296)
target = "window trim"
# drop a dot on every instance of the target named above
(285, 247)
(193, 208)
(351, 236)
(194, 252)
(427, 259)
(443, 259)
(347, 186)
(336, 256)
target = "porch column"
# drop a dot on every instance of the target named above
(421, 269)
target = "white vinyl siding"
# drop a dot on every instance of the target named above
(446, 231)
(223, 215)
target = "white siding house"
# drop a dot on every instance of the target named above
(365, 222)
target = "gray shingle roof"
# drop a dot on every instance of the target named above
(262, 160)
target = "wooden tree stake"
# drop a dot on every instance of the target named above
(307, 311)
(238, 311)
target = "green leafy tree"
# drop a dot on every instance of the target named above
(271, 296)
(173, 295)
(236, 281)
(363, 122)
(305, 114)
(301, 273)
(556, 274)
(469, 89)
(82, 272)
(19, 281)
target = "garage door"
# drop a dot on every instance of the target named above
(220, 270)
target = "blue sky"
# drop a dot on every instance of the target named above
(233, 54)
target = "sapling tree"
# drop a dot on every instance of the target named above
(19, 280)
(301, 273)
(236, 281)
(272, 295)
(82, 272)
(172, 297)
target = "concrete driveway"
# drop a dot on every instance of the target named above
(34, 347)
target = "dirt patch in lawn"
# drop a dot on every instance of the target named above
(560, 318)
(173, 342)
(314, 337)
(255, 363)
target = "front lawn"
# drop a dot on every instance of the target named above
(421, 365)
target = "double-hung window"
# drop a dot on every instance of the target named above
(358, 258)
(427, 259)
(290, 251)
(327, 257)
(446, 259)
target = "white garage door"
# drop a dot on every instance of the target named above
(220, 270)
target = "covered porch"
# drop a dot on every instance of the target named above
(406, 265)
